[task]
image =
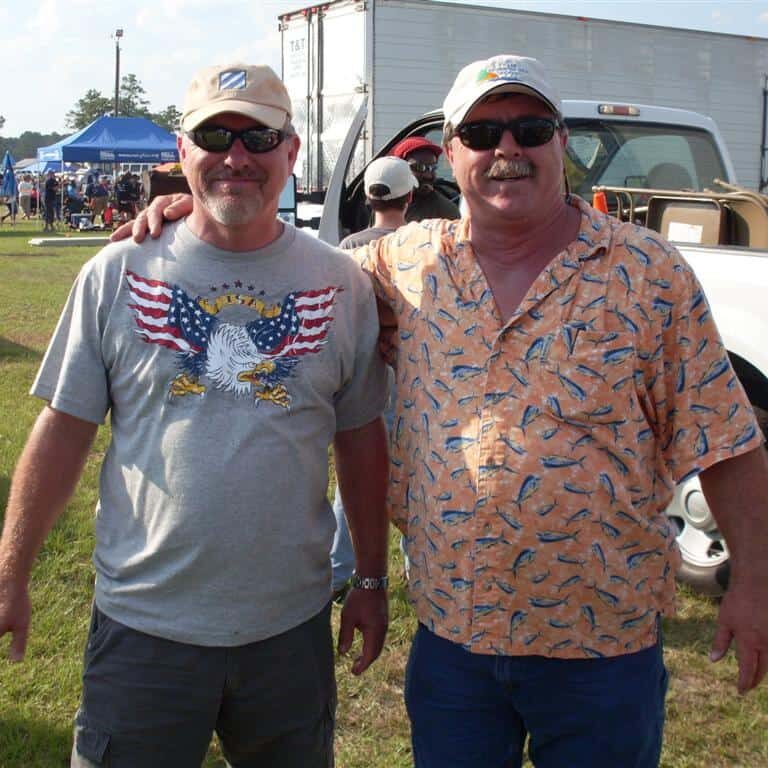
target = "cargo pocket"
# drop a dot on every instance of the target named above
(90, 747)
(98, 630)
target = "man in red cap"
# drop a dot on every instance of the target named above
(421, 154)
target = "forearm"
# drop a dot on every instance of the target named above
(737, 493)
(362, 470)
(45, 477)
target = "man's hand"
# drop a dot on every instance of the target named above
(15, 612)
(745, 623)
(736, 490)
(367, 611)
(163, 207)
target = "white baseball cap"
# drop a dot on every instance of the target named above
(245, 89)
(505, 73)
(388, 178)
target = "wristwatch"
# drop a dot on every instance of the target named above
(370, 582)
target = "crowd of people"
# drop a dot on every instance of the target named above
(84, 201)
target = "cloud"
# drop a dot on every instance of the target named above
(763, 18)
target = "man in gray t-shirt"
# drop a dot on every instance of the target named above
(228, 355)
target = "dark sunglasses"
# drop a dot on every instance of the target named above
(212, 138)
(486, 134)
(423, 167)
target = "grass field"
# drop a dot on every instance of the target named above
(707, 724)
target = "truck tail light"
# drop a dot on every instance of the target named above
(618, 109)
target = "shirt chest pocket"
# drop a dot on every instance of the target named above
(593, 381)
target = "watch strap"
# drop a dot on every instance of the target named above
(370, 582)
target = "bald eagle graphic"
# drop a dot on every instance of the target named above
(253, 359)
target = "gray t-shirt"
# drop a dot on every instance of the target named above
(226, 376)
(364, 236)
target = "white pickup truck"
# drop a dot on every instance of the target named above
(654, 165)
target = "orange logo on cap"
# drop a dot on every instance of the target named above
(484, 74)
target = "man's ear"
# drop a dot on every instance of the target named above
(293, 149)
(180, 147)
(448, 149)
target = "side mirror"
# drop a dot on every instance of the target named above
(286, 206)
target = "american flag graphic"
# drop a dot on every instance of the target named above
(301, 326)
(166, 315)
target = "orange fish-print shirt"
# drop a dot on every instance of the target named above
(532, 461)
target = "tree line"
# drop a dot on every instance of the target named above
(93, 104)
(131, 103)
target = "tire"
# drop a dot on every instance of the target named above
(704, 552)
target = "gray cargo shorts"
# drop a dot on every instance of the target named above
(153, 702)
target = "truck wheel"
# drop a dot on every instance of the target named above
(705, 557)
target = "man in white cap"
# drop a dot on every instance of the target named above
(559, 372)
(557, 363)
(388, 183)
(229, 353)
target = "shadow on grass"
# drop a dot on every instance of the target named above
(33, 743)
(688, 633)
(10, 350)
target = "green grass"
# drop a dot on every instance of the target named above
(707, 724)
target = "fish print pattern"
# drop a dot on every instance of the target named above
(545, 449)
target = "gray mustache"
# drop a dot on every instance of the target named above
(510, 169)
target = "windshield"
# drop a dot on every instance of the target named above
(623, 154)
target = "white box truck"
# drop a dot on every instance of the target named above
(404, 54)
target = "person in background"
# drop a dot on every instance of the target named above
(26, 188)
(124, 192)
(428, 203)
(228, 355)
(388, 184)
(50, 200)
(96, 195)
(13, 208)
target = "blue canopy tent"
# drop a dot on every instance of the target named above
(115, 140)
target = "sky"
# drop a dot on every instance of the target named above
(53, 52)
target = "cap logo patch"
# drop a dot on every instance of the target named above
(232, 80)
(503, 71)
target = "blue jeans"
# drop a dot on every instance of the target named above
(342, 552)
(474, 711)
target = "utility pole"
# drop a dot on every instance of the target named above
(118, 35)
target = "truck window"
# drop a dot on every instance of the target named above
(621, 154)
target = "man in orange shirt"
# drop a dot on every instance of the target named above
(558, 373)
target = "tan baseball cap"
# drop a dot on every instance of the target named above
(505, 73)
(245, 89)
(388, 178)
